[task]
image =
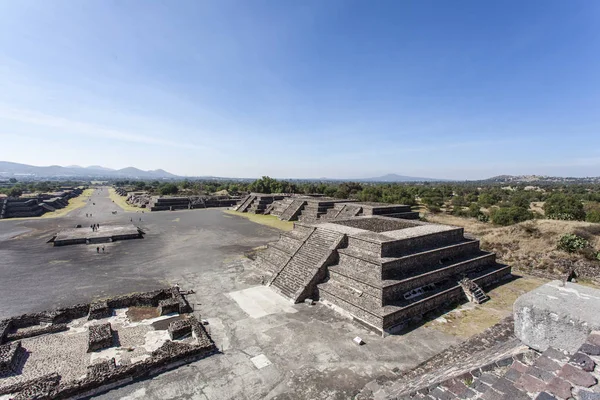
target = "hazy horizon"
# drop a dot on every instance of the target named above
(337, 89)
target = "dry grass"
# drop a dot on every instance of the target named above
(537, 206)
(469, 319)
(527, 245)
(268, 220)
(121, 201)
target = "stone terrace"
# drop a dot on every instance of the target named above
(381, 270)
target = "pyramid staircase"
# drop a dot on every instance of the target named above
(245, 203)
(296, 262)
(293, 210)
(280, 206)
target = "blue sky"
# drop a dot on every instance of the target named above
(342, 89)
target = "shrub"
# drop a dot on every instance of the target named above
(168, 188)
(510, 215)
(563, 206)
(483, 218)
(593, 216)
(572, 243)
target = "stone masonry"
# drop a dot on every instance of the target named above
(383, 271)
(311, 209)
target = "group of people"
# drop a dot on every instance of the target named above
(98, 249)
(88, 215)
(95, 227)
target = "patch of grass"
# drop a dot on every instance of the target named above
(121, 201)
(74, 204)
(268, 220)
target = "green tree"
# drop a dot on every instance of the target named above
(13, 180)
(564, 206)
(168, 188)
(510, 215)
(15, 192)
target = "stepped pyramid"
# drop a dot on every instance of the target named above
(383, 271)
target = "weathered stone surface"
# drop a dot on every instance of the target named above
(529, 383)
(559, 387)
(577, 376)
(547, 364)
(99, 310)
(557, 314)
(545, 396)
(168, 306)
(586, 395)
(41, 388)
(42, 330)
(100, 337)
(9, 357)
(583, 361)
(180, 328)
(590, 349)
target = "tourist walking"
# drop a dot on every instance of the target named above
(103, 249)
(97, 249)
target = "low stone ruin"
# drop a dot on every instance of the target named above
(168, 306)
(180, 328)
(99, 310)
(383, 271)
(20, 207)
(100, 337)
(9, 357)
(20, 380)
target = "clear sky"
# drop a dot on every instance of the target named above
(326, 88)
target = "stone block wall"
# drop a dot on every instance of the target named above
(100, 337)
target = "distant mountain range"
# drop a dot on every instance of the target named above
(10, 169)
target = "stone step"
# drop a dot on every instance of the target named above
(305, 263)
(291, 213)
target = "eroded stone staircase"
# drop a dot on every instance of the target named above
(245, 203)
(298, 260)
(293, 210)
(472, 290)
